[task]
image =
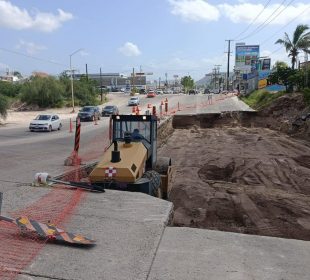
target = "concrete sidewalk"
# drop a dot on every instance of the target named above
(134, 242)
(127, 228)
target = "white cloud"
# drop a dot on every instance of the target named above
(194, 10)
(84, 53)
(130, 49)
(246, 12)
(14, 17)
(30, 47)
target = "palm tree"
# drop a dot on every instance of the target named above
(300, 42)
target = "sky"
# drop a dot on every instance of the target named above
(177, 37)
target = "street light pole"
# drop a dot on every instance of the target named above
(72, 91)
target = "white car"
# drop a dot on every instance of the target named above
(134, 101)
(159, 91)
(46, 122)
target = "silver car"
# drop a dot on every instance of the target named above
(134, 101)
(45, 122)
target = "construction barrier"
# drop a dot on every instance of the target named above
(154, 111)
(77, 135)
(70, 126)
(133, 110)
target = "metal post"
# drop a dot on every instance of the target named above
(72, 94)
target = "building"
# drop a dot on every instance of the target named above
(116, 80)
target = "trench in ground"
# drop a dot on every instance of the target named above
(231, 175)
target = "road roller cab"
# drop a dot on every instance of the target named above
(130, 163)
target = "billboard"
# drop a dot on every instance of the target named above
(262, 78)
(246, 57)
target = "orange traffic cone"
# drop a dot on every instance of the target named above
(134, 110)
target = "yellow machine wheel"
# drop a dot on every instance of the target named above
(155, 181)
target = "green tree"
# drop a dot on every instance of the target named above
(44, 92)
(9, 89)
(187, 82)
(300, 42)
(3, 106)
(281, 74)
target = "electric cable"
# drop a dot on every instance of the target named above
(268, 20)
(285, 25)
(246, 29)
(33, 57)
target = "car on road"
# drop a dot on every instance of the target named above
(45, 122)
(159, 91)
(206, 91)
(134, 101)
(89, 113)
(151, 94)
(192, 91)
(142, 91)
(109, 110)
(168, 91)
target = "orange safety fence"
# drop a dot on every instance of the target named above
(17, 250)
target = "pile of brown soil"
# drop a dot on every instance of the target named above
(283, 114)
(247, 180)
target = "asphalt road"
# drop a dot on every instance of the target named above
(25, 153)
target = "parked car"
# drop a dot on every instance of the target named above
(206, 91)
(142, 91)
(109, 110)
(46, 122)
(89, 113)
(159, 91)
(192, 91)
(168, 91)
(134, 101)
(151, 94)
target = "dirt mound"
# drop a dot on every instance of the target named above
(283, 114)
(247, 180)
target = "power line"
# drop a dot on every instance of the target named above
(269, 19)
(32, 57)
(285, 25)
(246, 29)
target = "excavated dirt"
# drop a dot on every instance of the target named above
(240, 179)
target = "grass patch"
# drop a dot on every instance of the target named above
(261, 98)
(306, 94)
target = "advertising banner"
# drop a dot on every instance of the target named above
(264, 64)
(262, 78)
(246, 57)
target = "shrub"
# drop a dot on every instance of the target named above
(306, 94)
(4, 104)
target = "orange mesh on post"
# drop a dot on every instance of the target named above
(18, 249)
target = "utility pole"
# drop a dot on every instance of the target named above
(228, 61)
(101, 92)
(166, 74)
(159, 82)
(133, 81)
(86, 72)
(217, 72)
